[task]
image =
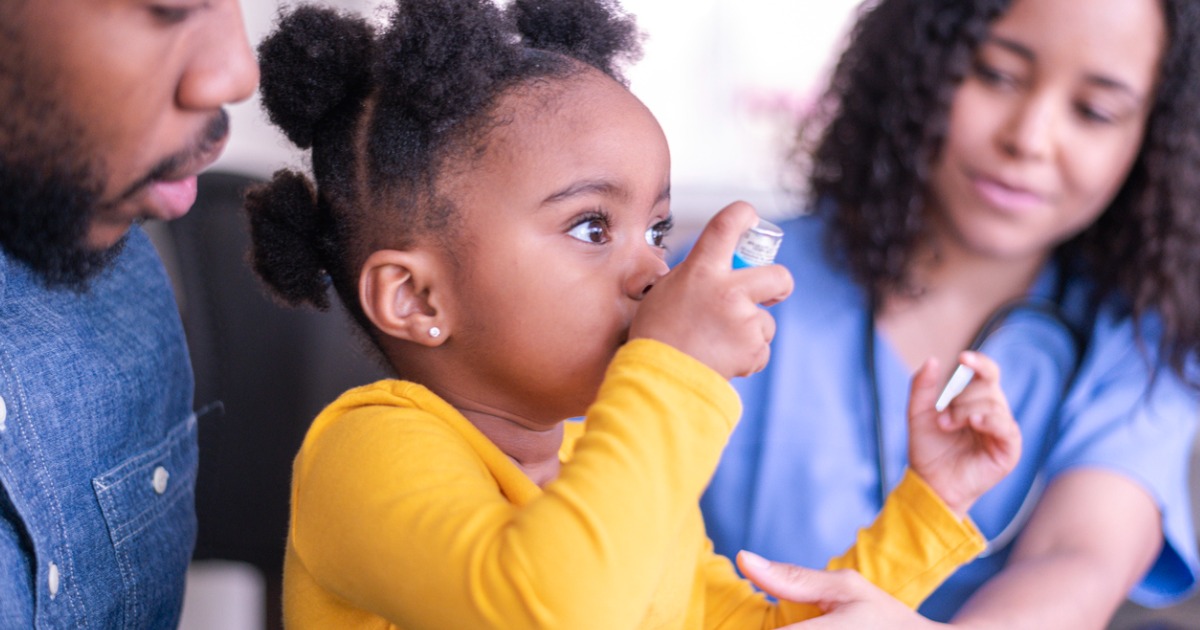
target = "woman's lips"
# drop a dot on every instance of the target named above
(1005, 197)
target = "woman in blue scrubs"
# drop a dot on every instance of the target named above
(1024, 174)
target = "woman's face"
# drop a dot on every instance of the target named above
(1046, 125)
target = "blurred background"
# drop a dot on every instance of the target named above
(726, 78)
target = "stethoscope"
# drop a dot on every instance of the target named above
(1050, 310)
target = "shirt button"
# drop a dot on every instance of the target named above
(52, 580)
(3, 414)
(160, 479)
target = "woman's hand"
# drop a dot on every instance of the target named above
(847, 598)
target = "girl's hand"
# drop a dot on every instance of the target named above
(705, 308)
(968, 448)
(846, 598)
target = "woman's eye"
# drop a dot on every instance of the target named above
(170, 15)
(593, 230)
(175, 12)
(658, 232)
(1095, 114)
(992, 76)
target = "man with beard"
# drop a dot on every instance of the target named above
(108, 110)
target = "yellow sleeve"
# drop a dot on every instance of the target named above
(915, 543)
(399, 516)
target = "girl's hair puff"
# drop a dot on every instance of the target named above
(386, 113)
(318, 58)
(319, 62)
(882, 121)
(290, 246)
(596, 32)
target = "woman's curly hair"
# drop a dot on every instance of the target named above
(882, 122)
(386, 111)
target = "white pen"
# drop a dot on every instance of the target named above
(958, 382)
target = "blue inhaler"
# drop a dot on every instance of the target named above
(758, 245)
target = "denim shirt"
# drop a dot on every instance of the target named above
(98, 448)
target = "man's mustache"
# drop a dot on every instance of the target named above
(214, 131)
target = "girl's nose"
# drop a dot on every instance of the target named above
(649, 267)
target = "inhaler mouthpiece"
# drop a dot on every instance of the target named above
(758, 245)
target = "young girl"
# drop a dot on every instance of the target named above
(490, 204)
(976, 153)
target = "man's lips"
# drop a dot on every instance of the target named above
(194, 163)
(171, 200)
(171, 195)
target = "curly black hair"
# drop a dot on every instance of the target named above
(386, 111)
(883, 119)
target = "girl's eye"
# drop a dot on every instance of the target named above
(658, 232)
(591, 230)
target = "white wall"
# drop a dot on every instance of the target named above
(726, 79)
(256, 147)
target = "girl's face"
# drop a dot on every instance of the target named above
(1044, 129)
(563, 220)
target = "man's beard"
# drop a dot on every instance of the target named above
(49, 195)
(46, 207)
(49, 190)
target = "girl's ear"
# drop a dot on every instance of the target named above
(397, 293)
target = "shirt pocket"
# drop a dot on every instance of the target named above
(149, 507)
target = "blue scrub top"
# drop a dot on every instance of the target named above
(799, 476)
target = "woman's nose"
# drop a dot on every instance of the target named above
(1028, 132)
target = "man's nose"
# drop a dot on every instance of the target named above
(222, 68)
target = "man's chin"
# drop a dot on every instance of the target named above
(102, 236)
(161, 200)
(74, 268)
(52, 234)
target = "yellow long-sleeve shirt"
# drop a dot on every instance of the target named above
(405, 515)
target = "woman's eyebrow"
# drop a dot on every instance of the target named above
(1118, 85)
(1013, 46)
(1101, 80)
